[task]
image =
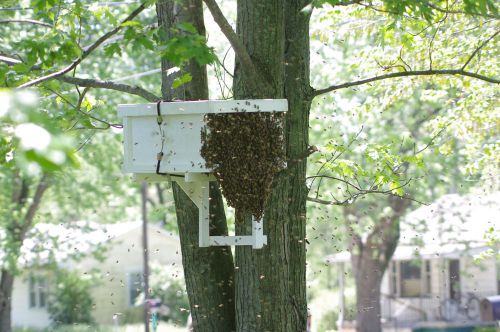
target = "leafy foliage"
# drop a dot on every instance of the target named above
(71, 301)
(185, 44)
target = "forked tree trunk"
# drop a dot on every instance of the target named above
(209, 272)
(6, 288)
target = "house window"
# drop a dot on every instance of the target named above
(411, 278)
(135, 287)
(37, 292)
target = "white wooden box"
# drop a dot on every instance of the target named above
(182, 123)
(174, 128)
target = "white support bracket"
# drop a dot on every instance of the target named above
(196, 186)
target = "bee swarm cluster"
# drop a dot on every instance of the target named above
(245, 151)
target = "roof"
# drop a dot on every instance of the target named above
(449, 227)
(453, 219)
(58, 242)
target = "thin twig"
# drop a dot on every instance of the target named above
(479, 48)
(28, 21)
(334, 157)
(362, 192)
(431, 43)
(238, 47)
(431, 142)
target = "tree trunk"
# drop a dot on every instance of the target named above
(370, 259)
(209, 272)
(145, 252)
(298, 93)
(368, 283)
(16, 234)
(260, 27)
(6, 288)
(368, 278)
(270, 282)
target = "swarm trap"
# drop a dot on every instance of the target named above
(239, 143)
(244, 151)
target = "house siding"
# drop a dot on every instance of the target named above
(110, 292)
(22, 314)
(478, 279)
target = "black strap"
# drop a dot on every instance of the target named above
(159, 155)
(159, 118)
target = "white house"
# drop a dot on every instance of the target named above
(120, 272)
(445, 262)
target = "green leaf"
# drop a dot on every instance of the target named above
(43, 161)
(145, 42)
(112, 49)
(179, 81)
(188, 27)
(131, 24)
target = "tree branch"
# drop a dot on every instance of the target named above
(336, 179)
(35, 22)
(95, 83)
(42, 186)
(238, 47)
(460, 72)
(110, 85)
(85, 53)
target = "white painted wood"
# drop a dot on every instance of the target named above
(245, 240)
(259, 239)
(203, 107)
(178, 137)
(180, 132)
(204, 215)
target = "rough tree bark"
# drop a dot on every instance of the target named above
(370, 259)
(209, 272)
(260, 26)
(270, 282)
(16, 233)
(368, 277)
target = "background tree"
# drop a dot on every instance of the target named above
(71, 301)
